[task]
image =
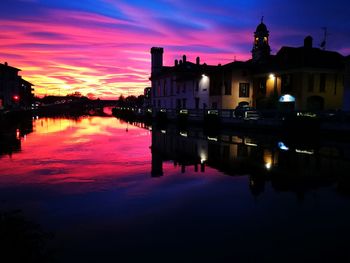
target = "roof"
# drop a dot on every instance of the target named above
(261, 28)
(27, 82)
(184, 70)
(291, 57)
(7, 67)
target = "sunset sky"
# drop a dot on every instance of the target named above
(102, 46)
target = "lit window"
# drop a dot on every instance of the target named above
(243, 90)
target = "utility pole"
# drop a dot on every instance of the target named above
(325, 35)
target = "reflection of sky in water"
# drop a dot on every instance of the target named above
(89, 181)
(94, 149)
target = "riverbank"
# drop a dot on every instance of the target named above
(296, 123)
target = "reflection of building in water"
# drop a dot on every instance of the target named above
(184, 148)
(290, 166)
(11, 135)
(228, 153)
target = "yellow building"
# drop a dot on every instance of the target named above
(231, 85)
(304, 78)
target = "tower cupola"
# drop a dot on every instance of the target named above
(261, 48)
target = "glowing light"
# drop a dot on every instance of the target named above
(287, 98)
(310, 152)
(183, 134)
(251, 144)
(268, 166)
(307, 114)
(282, 146)
(18, 134)
(16, 97)
(272, 76)
(212, 139)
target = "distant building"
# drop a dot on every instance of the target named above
(26, 96)
(296, 78)
(182, 86)
(9, 86)
(147, 102)
(15, 92)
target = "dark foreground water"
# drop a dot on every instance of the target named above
(105, 191)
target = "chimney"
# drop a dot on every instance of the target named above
(157, 59)
(180, 62)
(308, 42)
(6, 64)
(198, 60)
(176, 62)
(184, 58)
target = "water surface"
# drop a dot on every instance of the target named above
(114, 192)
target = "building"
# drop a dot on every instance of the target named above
(26, 96)
(15, 92)
(303, 78)
(231, 85)
(9, 86)
(346, 99)
(185, 85)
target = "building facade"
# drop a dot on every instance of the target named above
(182, 86)
(296, 78)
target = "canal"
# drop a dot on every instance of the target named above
(96, 189)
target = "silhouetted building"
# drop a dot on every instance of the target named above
(9, 86)
(15, 92)
(261, 48)
(147, 102)
(26, 96)
(346, 99)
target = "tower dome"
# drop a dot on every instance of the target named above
(261, 49)
(261, 28)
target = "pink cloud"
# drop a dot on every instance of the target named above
(66, 51)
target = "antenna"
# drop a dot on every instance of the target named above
(325, 36)
(262, 19)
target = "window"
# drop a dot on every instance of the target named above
(171, 87)
(184, 103)
(158, 103)
(196, 103)
(311, 83)
(322, 82)
(158, 91)
(164, 88)
(262, 87)
(178, 104)
(215, 88)
(286, 86)
(243, 90)
(197, 85)
(227, 88)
